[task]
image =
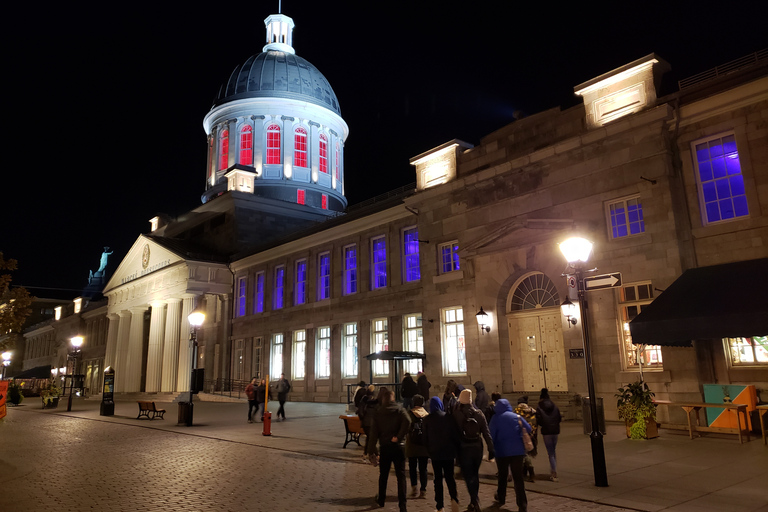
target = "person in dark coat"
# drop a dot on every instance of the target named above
(442, 437)
(416, 449)
(548, 419)
(506, 430)
(359, 394)
(471, 450)
(283, 387)
(390, 426)
(368, 405)
(250, 392)
(422, 387)
(408, 389)
(450, 397)
(489, 411)
(481, 397)
(261, 398)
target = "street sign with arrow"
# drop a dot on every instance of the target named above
(611, 280)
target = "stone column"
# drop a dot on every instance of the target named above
(123, 330)
(171, 346)
(110, 354)
(185, 352)
(155, 349)
(134, 354)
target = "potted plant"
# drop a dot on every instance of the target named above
(635, 406)
(50, 396)
(14, 393)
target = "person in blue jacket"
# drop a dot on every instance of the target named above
(506, 431)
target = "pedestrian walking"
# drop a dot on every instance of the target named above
(368, 405)
(422, 387)
(529, 414)
(390, 426)
(473, 429)
(250, 393)
(548, 418)
(261, 397)
(506, 430)
(359, 394)
(481, 397)
(283, 387)
(442, 439)
(416, 448)
(408, 389)
(450, 396)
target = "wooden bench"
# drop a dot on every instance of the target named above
(353, 428)
(149, 407)
(692, 408)
(761, 411)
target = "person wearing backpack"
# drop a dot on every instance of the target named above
(408, 390)
(416, 448)
(473, 429)
(389, 429)
(442, 439)
(507, 430)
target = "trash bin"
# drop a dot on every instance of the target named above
(185, 413)
(587, 415)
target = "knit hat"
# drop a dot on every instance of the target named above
(544, 394)
(523, 399)
(417, 401)
(465, 397)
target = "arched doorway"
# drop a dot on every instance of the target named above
(535, 335)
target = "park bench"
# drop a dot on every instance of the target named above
(149, 407)
(353, 428)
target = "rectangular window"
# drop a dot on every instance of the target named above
(411, 269)
(241, 283)
(449, 257)
(279, 287)
(300, 284)
(324, 201)
(378, 263)
(379, 342)
(277, 356)
(626, 217)
(258, 294)
(722, 193)
(349, 351)
(299, 354)
(454, 343)
(350, 269)
(324, 276)
(301, 196)
(323, 353)
(413, 341)
(748, 351)
(634, 298)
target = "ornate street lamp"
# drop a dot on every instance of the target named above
(76, 343)
(6, 361)
(483, 321)
(196, 319)
(576, 251)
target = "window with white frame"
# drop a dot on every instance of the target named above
(411, 269)
(633, 299)
(324, 276)
(349, 350)
(299, 354)
(626, 217)
(241, 285)
(380, 342)
(276, 368)
(722, 194)
(323, 353)
(449, 257)
(454, 343)
(413, 341)
(300, 147)
(300, 283)
(238, 357)
(278, 288)
(350, 269)
(255, 358)
(748, 351)
(378, 263)
(258, 293)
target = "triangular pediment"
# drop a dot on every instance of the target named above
(144, 257)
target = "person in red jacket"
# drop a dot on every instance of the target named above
(250, 392)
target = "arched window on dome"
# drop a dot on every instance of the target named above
(223, 149)
(246, 145)
(300, 147)
(323, 153)
(337, 160)
(273, 144)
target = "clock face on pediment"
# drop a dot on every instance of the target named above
(144, 258)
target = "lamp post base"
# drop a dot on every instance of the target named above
(185, 413)
(598, 459)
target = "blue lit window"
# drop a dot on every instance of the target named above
(258, 294)
(350, 270)
(378, 263)
(626, 217)
(324, 276)
(279, 288)
(449, 257)
(241, 282)
(722, 195)
(411, 270)
(300, 290)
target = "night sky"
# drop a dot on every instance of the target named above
(104, 110)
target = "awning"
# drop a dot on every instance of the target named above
(721, 301)
(394, 355)
(38, 372)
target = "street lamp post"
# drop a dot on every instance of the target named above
(76, 343)
(6, 361)
(576, 252)
(196, 319)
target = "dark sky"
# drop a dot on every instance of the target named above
(104, 110)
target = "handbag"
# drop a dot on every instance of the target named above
(527, 442)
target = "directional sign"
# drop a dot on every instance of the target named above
(604, 281)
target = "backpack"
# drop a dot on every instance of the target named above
(416, 432)
(470, 429)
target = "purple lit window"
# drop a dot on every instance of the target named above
(300, 292)
(277, 298)
(241, 282)
(449, 257)
(722, 184)
(350, 270)
(626, 218)
(324, 277)
(258, 294)
(379, 263)
(411, 255)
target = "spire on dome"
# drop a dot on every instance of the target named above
(279, 33)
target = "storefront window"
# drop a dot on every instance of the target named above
(748, 351)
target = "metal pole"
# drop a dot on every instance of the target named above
(596, 437)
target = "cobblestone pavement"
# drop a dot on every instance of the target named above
(66, 463)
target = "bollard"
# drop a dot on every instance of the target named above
(267, 431)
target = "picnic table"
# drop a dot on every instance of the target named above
(692, 410)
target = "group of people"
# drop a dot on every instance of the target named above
(449, 430)
(258, 394)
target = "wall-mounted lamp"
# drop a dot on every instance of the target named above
(483, 320)
(569, 311)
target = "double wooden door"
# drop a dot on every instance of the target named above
(537, 351)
